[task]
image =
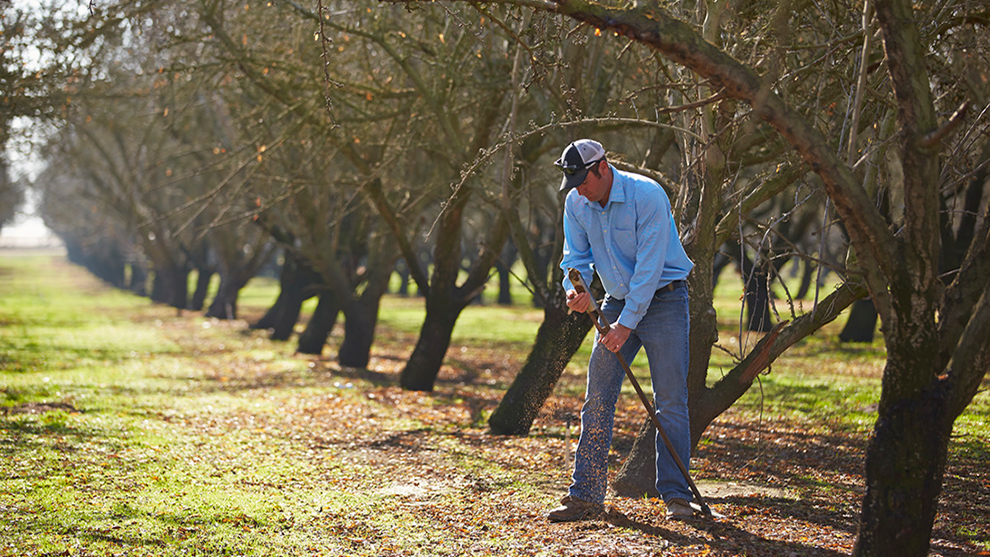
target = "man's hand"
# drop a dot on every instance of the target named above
(616, 337)
(580, 303)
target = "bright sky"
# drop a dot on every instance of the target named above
(26, 224)
(26, 227)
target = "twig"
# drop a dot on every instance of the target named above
(934, 138)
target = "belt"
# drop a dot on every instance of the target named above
(672, 286)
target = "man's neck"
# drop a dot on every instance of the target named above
(608, 192)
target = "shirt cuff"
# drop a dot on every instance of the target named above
(629, 319)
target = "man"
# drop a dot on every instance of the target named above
(620, 224)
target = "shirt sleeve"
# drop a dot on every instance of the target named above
(653, 218)
(577, 247)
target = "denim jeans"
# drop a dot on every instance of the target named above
(663, 331)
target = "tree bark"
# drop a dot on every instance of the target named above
(558, 338)
(286, 315)
(423, 366)
(361, 314)
(360, 321)
(905, 465)
(138, 280)
(758, 301)
(807, 277)
(171, 286)
(324, 317)
(503, 266)
(906, 454)
(638, 475)
(403, 272)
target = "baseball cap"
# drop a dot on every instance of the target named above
(575, 161)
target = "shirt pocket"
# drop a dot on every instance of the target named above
(624, 240)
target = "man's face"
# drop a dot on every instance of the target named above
(595, 188)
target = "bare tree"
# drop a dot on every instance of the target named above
(937, 342)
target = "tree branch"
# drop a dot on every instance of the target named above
(932, 140)
(681, 43)
(971, 358)
(728, 389)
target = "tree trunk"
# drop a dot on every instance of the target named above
(360, 321)
(638, 475)
(139, 277)
(202, 287)
(807, 276)
(158, 291)
(503, 266)
(558, 338)
(861, 324)
(361, 315)
(171, 286)
(504, 285)
(287, 314)
(721, 261)
(443, 305)
(180, 298)
(403, 271)
(756, 283)
(324, 317)
(543, 256)
(224, 304)
(905, 464)
(109, 267)
(758, 301)
(757, 292)
(424, 363)
(296, 286)
(445, 299)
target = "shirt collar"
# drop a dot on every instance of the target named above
(618, 193)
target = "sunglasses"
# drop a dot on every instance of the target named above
(572, 170)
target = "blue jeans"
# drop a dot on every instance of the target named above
(663, 331)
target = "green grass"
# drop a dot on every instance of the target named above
(115, 384)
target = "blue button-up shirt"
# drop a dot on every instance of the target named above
(631, 242)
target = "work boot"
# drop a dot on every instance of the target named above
(572, 508)
(679, 509)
